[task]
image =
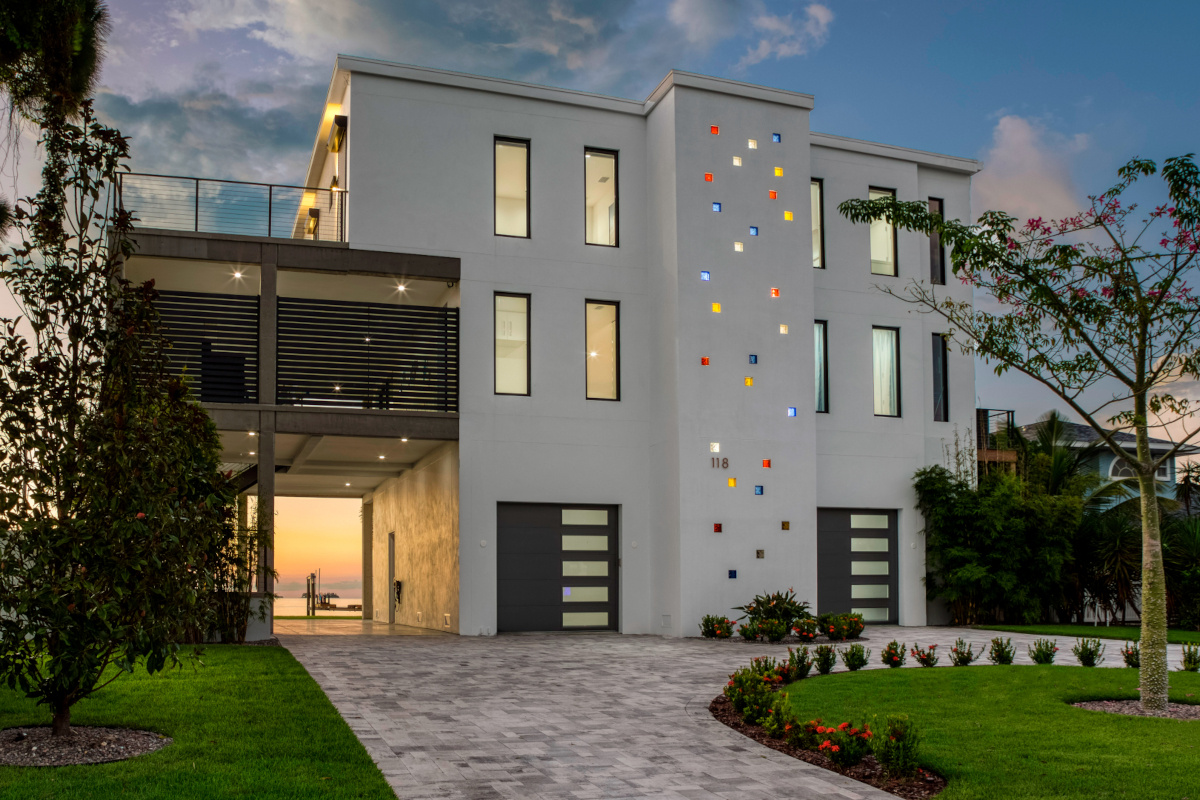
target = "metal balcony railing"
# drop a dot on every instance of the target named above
(178, 203)
(995, 429)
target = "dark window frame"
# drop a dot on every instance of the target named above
(941, 353)
(616, 350)
(895, 237)
(899, 382)
(528, 143)
(824, 323)
(616, 156)
(528, 344)
(820, 182)
(937, 271)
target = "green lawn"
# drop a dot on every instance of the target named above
(251, 723)
(1010, 732)
(1127, 633)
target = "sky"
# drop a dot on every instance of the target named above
(322, 533)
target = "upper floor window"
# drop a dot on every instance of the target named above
(817, 201)
(1123, 469)
(937, 253)
(886, 362)
(512, 187)
(821, 354)
(603, 350)
(941, 382)
(512, 343)
(883, 239)
(600, 197)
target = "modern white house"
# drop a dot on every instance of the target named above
(590, 362)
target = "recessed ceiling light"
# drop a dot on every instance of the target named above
(251, 433)
(400, 287)
(405, 439)
(383, 456)
(347, 484)
(251, 452)
(237, 274)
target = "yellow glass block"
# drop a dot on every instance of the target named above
(749, 381)
(788, 216)
(738, 247)
(737, 161)
(733, 483)
(716, 308)
(779, 172)
(783, 328)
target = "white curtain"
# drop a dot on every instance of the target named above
(887, 388)
(819, 342)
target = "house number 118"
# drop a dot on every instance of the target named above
(723, 463)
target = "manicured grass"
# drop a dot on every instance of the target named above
(1127, 632)
(250, 723)
(331, 616)
(1011, 732)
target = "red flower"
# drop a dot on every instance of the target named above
(835, 748)
(141, 515)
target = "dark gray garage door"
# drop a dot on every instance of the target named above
(856, 563)
(557, 567)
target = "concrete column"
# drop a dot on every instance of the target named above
(266, 500)
(368, 565)
(268, 292)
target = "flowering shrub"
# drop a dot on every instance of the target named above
(962, 654)
(798, 665)
(825, 656)
(804, 734)
(779, 606)
(845, 745)
(839, 627)
(1132, 655)
(773, 629)
(1089, 652)
(1001, 651)
(805, 630)
(748, 630)
(713, 626)
(925, 657)
(1043, 651)
(893, 654)
(897, 746)
(1191, 658)
(854, 625)
(855, 657)
(751, 693)
(778, 717)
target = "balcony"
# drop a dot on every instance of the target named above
(995, 439)
(201, 205)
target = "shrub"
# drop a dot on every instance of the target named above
(1132, 655)
(825, 656)
(748, 630)
(804, 734)
(925, 657)
(750, 693)
(714, 626)
(854, 625)
(845, 745)
(897, 746)
(773, 629)
(799, 664)
(1001, 651)
(1191, 658)
(855, 657)
(1089, 652)
(778, 717)
(962, 654)
(806, 630)
(1043, 651)
(839, 627)
(779, 606)
(893, 654)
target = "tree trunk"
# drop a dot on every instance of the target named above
(1153, 675)
(62, 718)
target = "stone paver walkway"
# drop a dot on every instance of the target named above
(579, 716)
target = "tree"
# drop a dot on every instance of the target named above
(1090, 302)
(111, 503)
(1187, 487)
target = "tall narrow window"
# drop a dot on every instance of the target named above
(886, 358)
(603, 351)
(883, 239)
(512, 187)
(941, 382)
(821, 354)
(512, 343)
(817, 192)
(600, 197)
(937, 253)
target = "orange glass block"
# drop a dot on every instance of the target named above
(788, 216)
(708, 177)
(732, 483)
(749, 381)
(715, 129)
(716, 307)
(766, 463)
(774, 292)
(704, 361)
(774, 195)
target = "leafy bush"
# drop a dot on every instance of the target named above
(963, 654)
(751, 693)
(855, 657)
(839, 627)
(845, 745)
(893, 654)
(1089, 652)
(773, 629)
(805, 630)
(804, 734)
(925, 657)
(798, 665)
(825, 657)
(779, 606)
(1132, 654)
(1043, 651)
(715, 626)
(897, 746)
(854, 625)
(1191, 658)
(1001, 651)
(778, 717)
(748, 630)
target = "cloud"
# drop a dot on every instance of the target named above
(786, 37)
(705, 22)
(1027, 171)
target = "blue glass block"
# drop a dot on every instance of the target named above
(754, 230)
(716, 206)
(733, 573)
(775, 137)
(758, 490)
(753, 359)
(791, 411)
(705, 275)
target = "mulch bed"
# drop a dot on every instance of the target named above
(869, 771)
(1134, 708)
(272, 642)
(36, 747)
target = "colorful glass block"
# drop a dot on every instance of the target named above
(772, 194)
(791, 411)
(766, 463)
(705, 275)
(732, 483)
(716, 307)
(779, 172)
(749, 381)
(716, 207)
(785, 525)
(737, 161)
(775, 137)
(753, 358)
(774, 292)
(733, 574)
(738, 247)
(783, 328)
(752, 144)
(708, 177)
(704, 361)
(714, 447)
(754, 230)
(714, 129)
(716, 527)
(788, 216)
(758, 490)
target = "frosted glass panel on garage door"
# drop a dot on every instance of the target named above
(584, 542)
(869, 591)
(585, 594)
(586, 569)
(869, 521)
(585, 516)
(868, 568)
(871, 614)
(859, 544)
(585, 619)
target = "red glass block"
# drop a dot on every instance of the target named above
(715, 130)
(774, 195)
(766, 463)
(716, 527)
(704, 361)
(708, 177)
(774, 292)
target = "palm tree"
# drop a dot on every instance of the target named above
(1187, 487)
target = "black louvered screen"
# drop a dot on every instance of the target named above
(214, 338)
(367, 355)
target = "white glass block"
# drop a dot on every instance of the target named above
(861, 568)
(868, 520)
(714, 447)
(590, 569)
(871, 614)
(570, 542)
(586, 594)
(585, 516)
(869, 591)
(862, 544)
(585, 619)
(737, 161)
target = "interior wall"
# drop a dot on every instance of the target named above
(421, 508)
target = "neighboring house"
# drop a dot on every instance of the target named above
(590, 363)
(1106, 464)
